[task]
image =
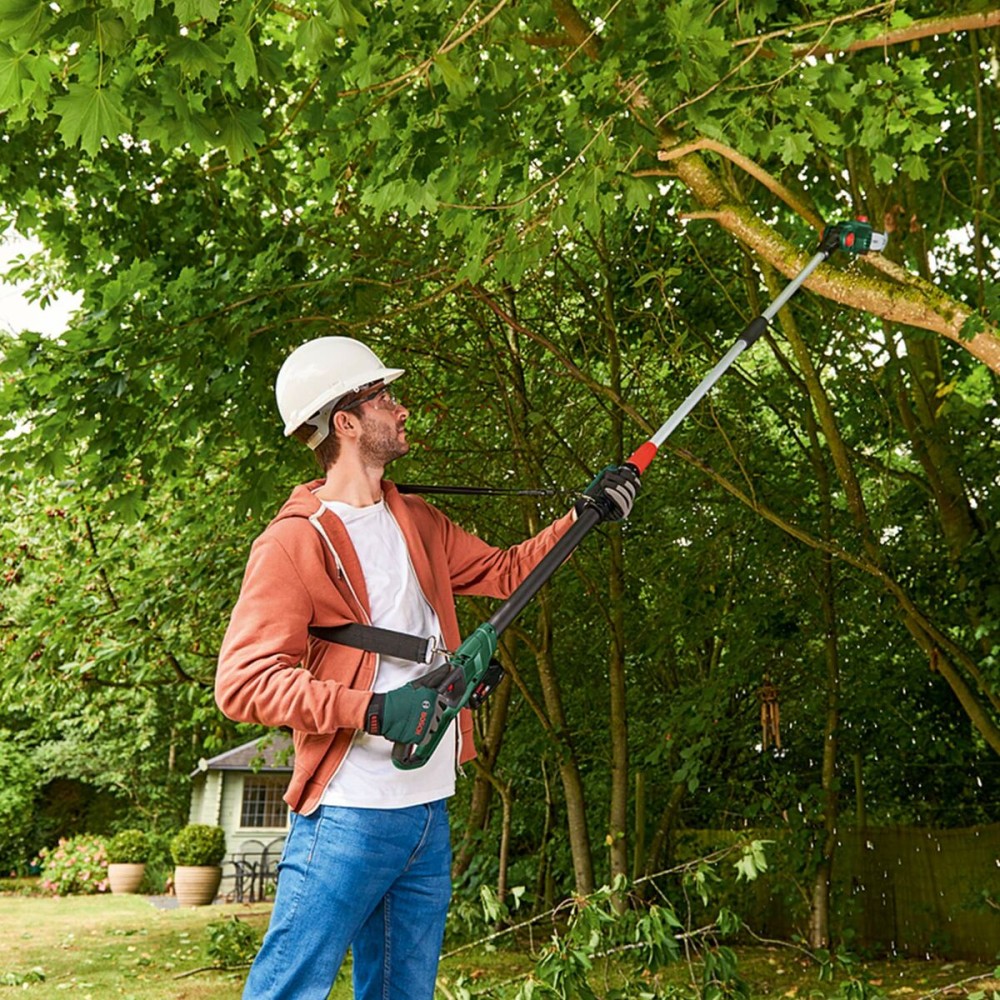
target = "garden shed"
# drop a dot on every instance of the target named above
(241, 790)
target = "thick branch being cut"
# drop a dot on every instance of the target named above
(915, 302)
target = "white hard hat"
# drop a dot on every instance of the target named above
(318, 374)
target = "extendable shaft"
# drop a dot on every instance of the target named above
(645, 453)
(588, 518)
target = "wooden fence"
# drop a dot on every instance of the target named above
(896, 890)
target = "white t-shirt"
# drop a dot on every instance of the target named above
(367, 777)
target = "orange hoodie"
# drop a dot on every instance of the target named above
(303, 571)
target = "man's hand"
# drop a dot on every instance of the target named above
(612, 492)
(401, 715)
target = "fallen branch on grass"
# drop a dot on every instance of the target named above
(212, 968)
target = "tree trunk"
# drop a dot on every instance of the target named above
(659, 846)
(820, 418)
(618, 707)
(503, 789)
(819, 923)
(639, 833)
(569, 771)
(543, 881)
(509, 363)
(488, 748)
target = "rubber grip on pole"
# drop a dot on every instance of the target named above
(751, 334)
(642, 456)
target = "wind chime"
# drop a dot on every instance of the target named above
(770, 714)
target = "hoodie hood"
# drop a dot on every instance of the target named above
(302, 502)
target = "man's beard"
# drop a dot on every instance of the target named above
(379, 443)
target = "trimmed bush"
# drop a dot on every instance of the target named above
(78, 865)
(198, 844)
(128, 847)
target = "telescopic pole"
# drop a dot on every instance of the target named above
(645, 453)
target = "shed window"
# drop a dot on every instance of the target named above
(262, 802)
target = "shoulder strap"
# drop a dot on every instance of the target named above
(377, 640)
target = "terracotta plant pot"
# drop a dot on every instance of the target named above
(196, 885)
(126, 877)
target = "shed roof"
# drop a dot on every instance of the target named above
(269, 753)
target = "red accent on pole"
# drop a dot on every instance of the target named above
(642, 456)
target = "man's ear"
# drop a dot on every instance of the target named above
(344, 422)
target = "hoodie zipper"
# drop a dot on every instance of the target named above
(314, 521)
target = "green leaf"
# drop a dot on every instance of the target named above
(243, 57)
(23, 16)
(384, 198)
(456, 82)
(420, 196)
(796, 147)
(320, 169)
(884, 168)
(195, 56)
(89, 114)
(345, 15)
(129, 505)
(15, 77)
(974, 324)
(380, 127)
(823, 128)
(241, 135)
(197, 10)
(916, 167)
(316, 38)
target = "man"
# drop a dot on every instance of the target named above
(367, 861)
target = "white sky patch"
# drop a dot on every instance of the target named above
(17, 312)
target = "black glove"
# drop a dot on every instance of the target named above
(401, 715)
(612, 492)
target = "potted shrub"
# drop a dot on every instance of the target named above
(128, 852)
(197, 850)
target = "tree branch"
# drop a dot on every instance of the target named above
(918, 303)
(753, 169)
(910, 33)
(808, 26)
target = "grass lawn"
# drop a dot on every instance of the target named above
(97, 947)
(109, 946)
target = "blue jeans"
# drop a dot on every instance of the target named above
(377, 880)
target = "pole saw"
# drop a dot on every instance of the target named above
(467, 678)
